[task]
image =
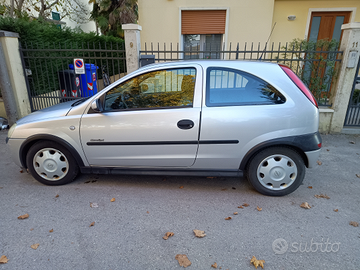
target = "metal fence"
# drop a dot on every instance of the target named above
(352, 118)
(50, 75)
(317, 67)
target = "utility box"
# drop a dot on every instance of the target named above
(147, 60)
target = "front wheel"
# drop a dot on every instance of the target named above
(276, 171)
(51, 164)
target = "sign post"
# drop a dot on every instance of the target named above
(79, 66)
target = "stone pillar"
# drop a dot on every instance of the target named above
(132, 46)
(12, 62)
(350, 45)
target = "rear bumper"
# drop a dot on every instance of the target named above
(313, 157)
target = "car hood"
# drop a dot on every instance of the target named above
(54, 111)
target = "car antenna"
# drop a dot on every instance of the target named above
(267, 41)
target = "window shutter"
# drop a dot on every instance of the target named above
(195, 22)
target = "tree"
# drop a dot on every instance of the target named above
(109, 15)
(75, 10)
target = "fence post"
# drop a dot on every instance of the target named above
(350, 45)
(16, 79)
(132, 46)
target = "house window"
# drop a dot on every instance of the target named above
(202, 46)
(202, 32)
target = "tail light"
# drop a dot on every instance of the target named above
(299, 84)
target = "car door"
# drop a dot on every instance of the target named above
(149, 120)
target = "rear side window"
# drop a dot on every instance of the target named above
(231, 87)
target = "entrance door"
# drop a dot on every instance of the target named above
(327, 25)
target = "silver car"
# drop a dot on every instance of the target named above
(206, 118)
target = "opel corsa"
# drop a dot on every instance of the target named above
(208, 118)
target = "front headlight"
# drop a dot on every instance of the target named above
(11, 130)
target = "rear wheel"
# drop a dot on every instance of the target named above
(51, 164)
(276, 171)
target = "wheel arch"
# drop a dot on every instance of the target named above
(296, 143)
(46, 137)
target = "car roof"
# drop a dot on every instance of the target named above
(210, 62)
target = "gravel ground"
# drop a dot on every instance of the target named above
(127, 233)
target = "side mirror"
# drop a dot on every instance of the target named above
(96, 106)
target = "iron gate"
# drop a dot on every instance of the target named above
(353, 112)
(50, 75)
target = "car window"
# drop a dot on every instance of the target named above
(230, 87)
(156, 89)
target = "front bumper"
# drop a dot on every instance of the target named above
(14, 146)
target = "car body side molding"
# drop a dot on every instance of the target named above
(93, 143)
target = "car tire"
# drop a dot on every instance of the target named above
(276, 171)
(51, 164)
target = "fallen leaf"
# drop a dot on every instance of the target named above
(310, 187)
(223, 189)
(93, 205)
(35, 246)
(305, 205)
(51, 230)
(257, 262)
(319, 162)
(147, 212)
(112, 200)
(199, 233)
(258, 208)
(21, 171)
(228, 218)
(183, 260)
(167, 235)
(354, 223)
(246, 205)
(31, 229)
(240, 207)
(214, 265)
(322, 196)
(336, 210)
(3, 259)
(92, 224)
(358, 175)
(352, 142)
(235, 213)
(23, 216)
(327, 149)
(57, 196)
(181, 187)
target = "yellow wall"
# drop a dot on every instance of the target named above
(288, 30)
(249, 20)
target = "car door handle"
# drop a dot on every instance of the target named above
(185, 124)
